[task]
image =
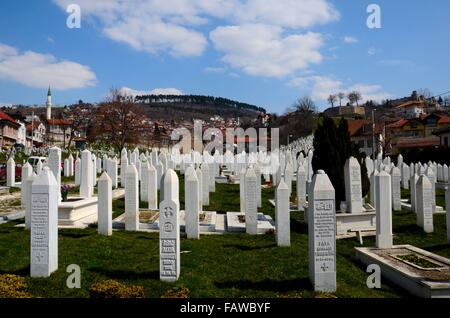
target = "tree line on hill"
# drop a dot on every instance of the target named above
(197, 99)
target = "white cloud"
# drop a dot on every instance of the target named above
(153, 35)
(372, 51)
(286, 13)
(166, 91)
(171, 26)
(322, 86)
(215, 70)
(41, 70)
(264, 50)
(126, 91)
(350, 40)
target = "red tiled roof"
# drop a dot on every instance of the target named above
(60, 122)
(5, 116)
(444, 120)
(398, 124)
(355, 125)
(35, 125)
(418, 142)
(411, 104)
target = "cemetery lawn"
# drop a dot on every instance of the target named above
(231, 265)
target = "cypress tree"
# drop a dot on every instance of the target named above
(332, 148)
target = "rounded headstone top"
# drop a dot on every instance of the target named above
(321, 172)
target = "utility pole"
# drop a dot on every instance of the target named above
(373, 133)
(32, 132)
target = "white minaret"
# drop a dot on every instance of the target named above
(49, 104)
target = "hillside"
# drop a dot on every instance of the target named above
(188, 107)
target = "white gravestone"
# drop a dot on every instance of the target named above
(198, 171)
(29, 185)
(131, 199)
(104, 205)
(301, 188)
(94, 172)
(242, 190)
(27, 170)
(282, 215)
(432, 178)
(123, 169)
(169, 233)
(39, 167)
(54, 163)
(86, 186)
(447, 207)
(44, 225)
(205, 183)
(353, 188)
(192, 208)
(77, 172)
(212, 178)
(145, 181)
(288, 176)
(71, 168)
(101, 163)
(405, 176)
(384, 210)
(425, 204)
(373, 181)
(66, 168)
(445, 171)
(114, 173)
(159, 173)
(258, 185)
(152, 189)
(395, 187)
(251, 203)
(10, 173)
(413, 191)
(322, 234)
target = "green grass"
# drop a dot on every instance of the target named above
(230, 265)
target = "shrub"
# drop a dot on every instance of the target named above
(114, 289)
(13, 286)
(178, 292)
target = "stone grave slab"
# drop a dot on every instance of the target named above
(421, 273)
(236, 222)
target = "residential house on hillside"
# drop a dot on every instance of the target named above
(362, 133)
(416, 132)
(36, 133)
(444, 136)
(9, 130)
(410, 109)
(58, 132)
(424, 126)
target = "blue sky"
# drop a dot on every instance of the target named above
(264, 52)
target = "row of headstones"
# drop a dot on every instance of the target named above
(44, 221)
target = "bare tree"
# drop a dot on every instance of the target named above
(341, 96)
(332, 99)
(425, 92)
(304, 105)
(354, 97)
(118, 121)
